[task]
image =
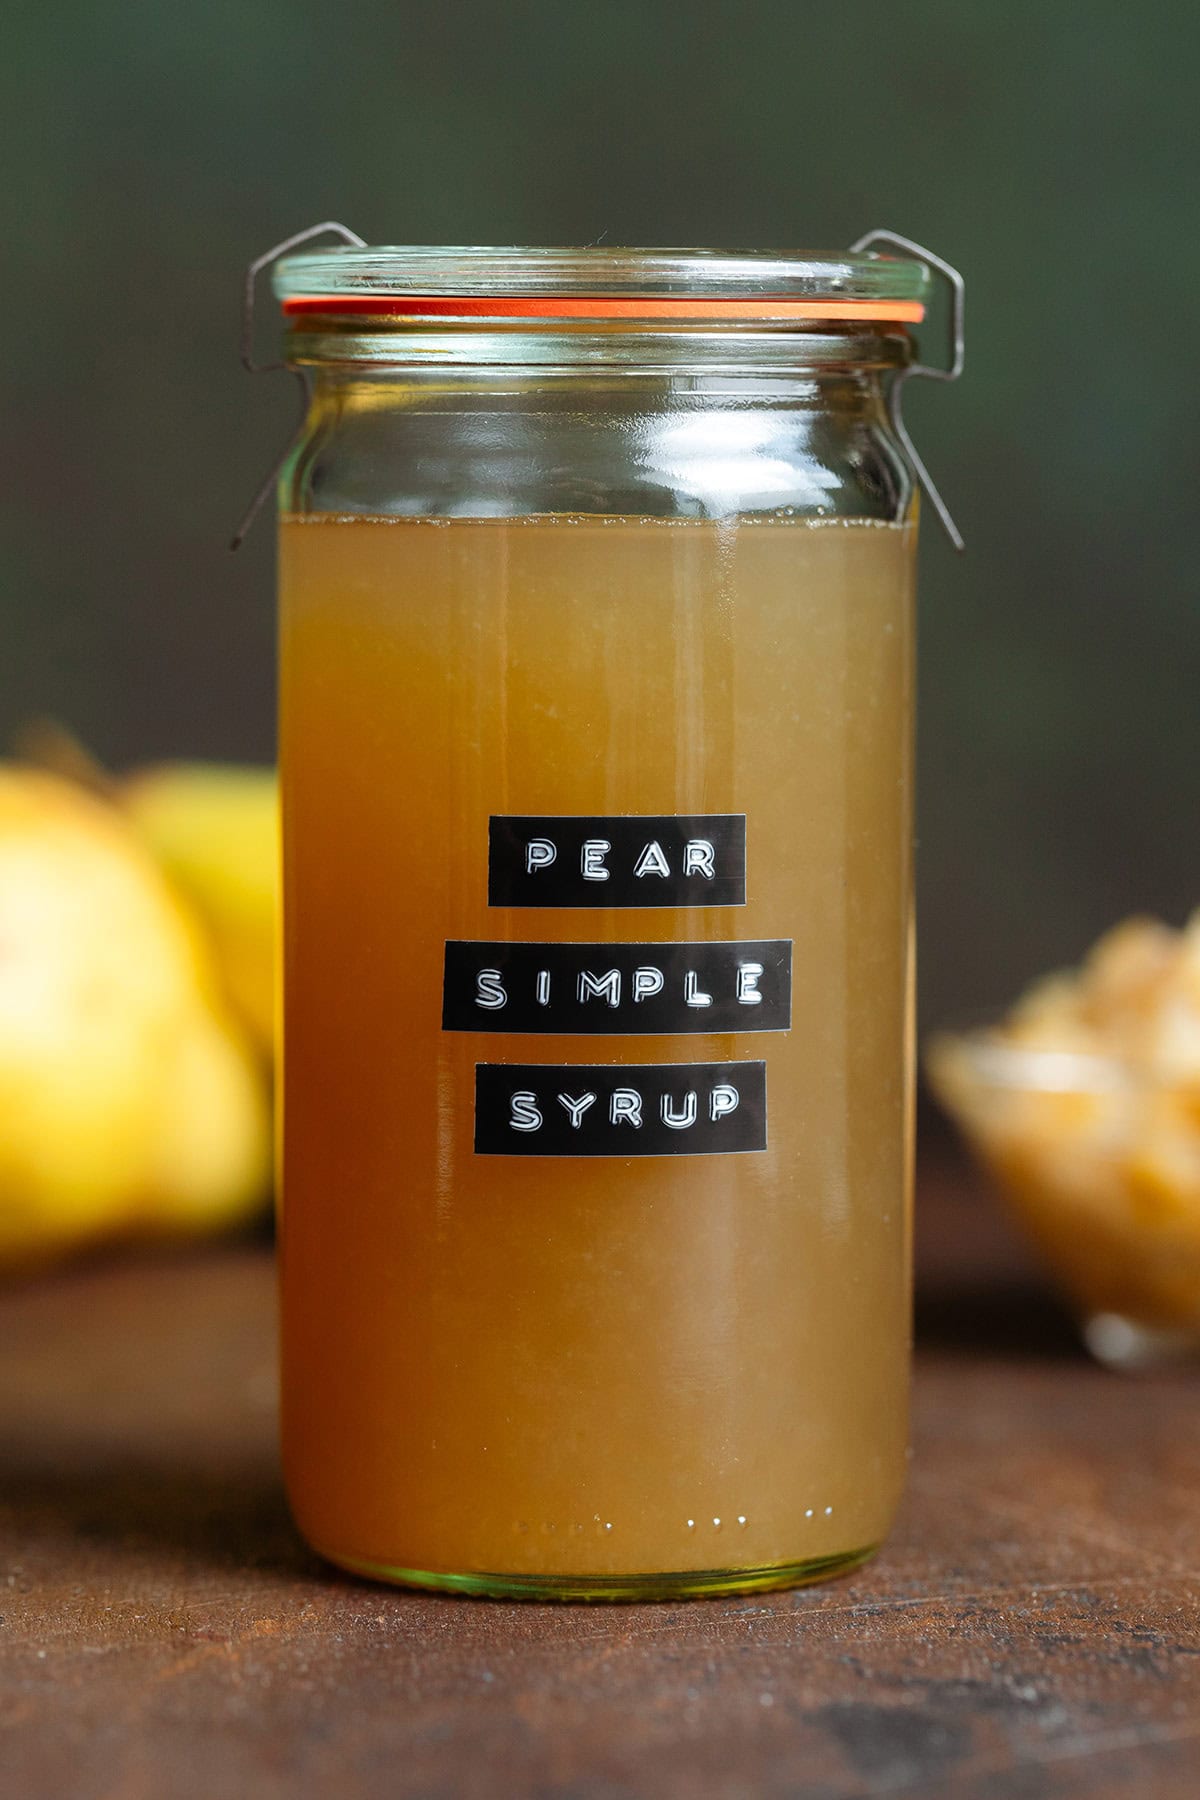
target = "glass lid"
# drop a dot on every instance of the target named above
(601, 282)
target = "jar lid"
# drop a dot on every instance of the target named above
(471, 282)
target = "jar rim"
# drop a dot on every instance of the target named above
(598, 282)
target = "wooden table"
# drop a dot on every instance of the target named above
(1032, 1630)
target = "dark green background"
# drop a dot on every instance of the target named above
(156, 147)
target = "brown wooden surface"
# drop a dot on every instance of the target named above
(1033, 1629)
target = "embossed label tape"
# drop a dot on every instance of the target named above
(620, 1109)
(618, 990)
(626, 859)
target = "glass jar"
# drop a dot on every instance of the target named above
(596, 583)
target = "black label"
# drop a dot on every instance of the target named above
(620, 1109)
(687, 859)
(618, 990)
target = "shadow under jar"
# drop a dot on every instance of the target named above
(596, 578)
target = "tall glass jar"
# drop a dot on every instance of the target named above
(596, 583)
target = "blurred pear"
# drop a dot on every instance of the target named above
(129, 1100)
(214, 828)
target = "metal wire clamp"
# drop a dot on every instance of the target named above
(950, 373)
(252, 367)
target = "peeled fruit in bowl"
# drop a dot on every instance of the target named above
(130, 1102)
(1084, 1103)
(214, 828)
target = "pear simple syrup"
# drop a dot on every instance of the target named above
(596, 576)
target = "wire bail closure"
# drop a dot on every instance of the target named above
(252, 367)
(951, 373)
(895, 399)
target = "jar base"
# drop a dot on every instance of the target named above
(688, 1584)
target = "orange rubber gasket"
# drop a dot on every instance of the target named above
(602, 306)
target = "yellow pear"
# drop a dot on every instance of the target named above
(128, 1099)
(214, 828)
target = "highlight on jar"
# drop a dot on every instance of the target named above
(1084, 1105)
(596, 632)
